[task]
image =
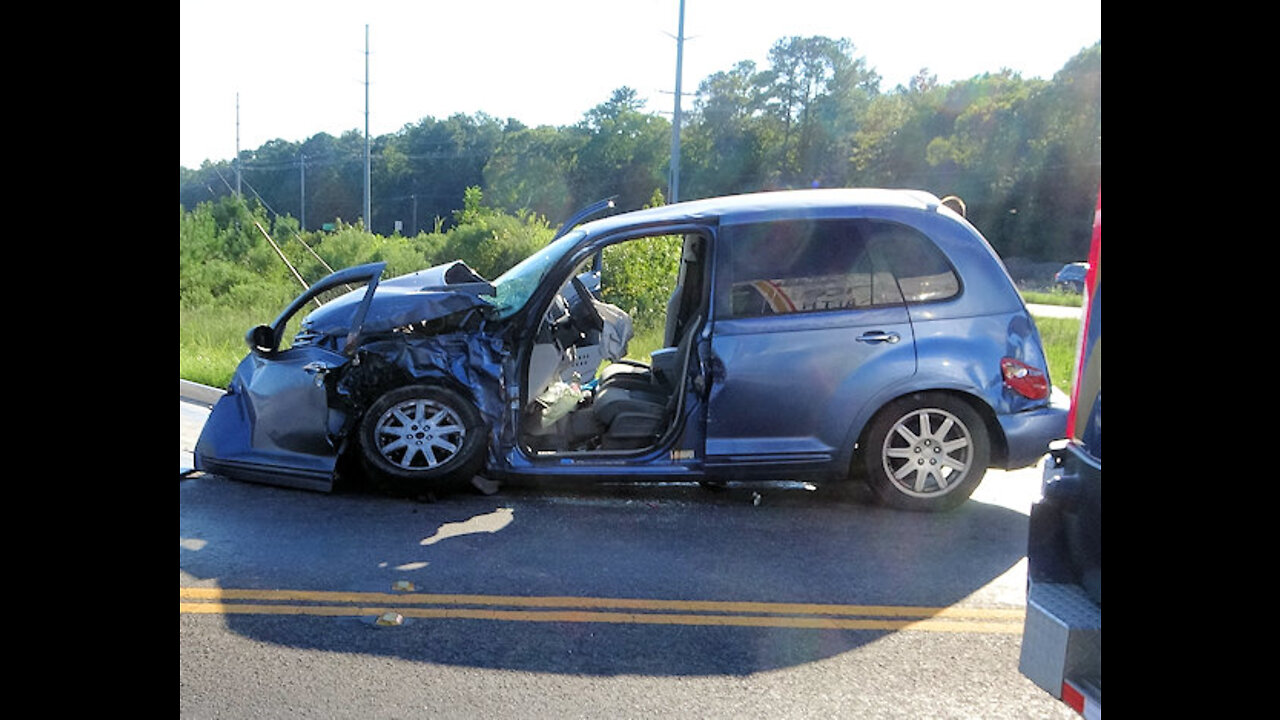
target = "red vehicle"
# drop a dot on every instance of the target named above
(1062, 640)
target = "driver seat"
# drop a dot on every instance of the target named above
(634, 415)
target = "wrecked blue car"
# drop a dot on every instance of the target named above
(812, 334)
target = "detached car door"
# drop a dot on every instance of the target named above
(809, 325)
(275, 423)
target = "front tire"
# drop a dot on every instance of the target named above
(423, 438)
(926, 453)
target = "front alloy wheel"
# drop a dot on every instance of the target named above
(419, 434)
(926, 453)
(423, 435)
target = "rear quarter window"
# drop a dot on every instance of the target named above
(923, 272)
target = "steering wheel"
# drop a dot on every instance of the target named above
(593, 321)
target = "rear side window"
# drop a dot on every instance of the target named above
(825, 265)
(803, 266)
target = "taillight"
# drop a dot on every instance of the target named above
(1025, 380)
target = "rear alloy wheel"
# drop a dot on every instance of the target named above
(926, 453)
(423, 438)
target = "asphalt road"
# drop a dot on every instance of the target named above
(772, 600)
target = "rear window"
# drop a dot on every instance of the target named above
(828, 265)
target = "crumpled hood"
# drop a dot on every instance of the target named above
(401, 301)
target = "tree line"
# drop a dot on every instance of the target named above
(1024, 154)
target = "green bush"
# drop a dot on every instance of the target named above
(639, 276)
(491, 242)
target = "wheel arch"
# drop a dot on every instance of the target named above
(995, 432)
(375, 376)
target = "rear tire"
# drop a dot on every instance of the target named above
(925, 452)
(423, 439)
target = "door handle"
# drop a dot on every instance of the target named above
(879, 337)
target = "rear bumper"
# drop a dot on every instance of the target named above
(1028, 434)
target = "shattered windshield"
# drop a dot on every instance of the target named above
(515, 286)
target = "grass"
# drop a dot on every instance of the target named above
(211, 343)
(1059, 336)
(644, 342)
(1052, 297)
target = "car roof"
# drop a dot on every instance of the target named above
(730, 209)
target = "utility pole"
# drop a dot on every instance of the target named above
(368, 215)
(238, 146)
(674, 187)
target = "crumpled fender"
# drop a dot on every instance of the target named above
(472, 361)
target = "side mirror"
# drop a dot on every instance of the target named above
(261, 339)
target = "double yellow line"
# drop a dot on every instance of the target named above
(220, 601)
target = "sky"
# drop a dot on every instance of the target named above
(262, 70)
